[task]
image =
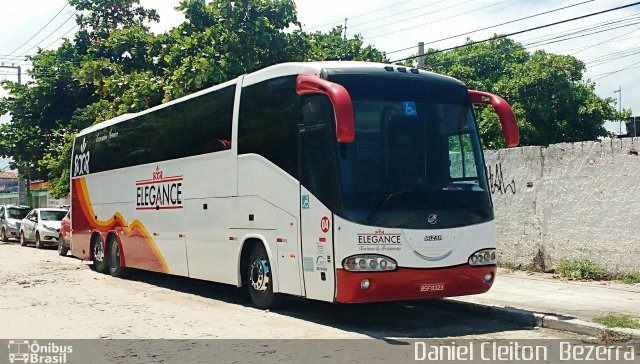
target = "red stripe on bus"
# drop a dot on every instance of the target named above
(150, 182)
(160, 208)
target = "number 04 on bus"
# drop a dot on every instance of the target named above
(335, 181)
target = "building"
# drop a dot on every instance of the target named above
(633, 123)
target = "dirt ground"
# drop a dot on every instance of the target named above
(43, 295)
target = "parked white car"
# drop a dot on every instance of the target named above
(42, 227)
(10, 218)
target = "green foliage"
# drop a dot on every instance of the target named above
(580, 268)
(115, 65)
(550, 99)
(618, 320)
(632, 278)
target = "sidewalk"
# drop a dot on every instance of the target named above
(555, 302)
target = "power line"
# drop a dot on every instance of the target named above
(620, 70)
(437, 20)
(529, 30)
(579, 32)
(495, 26)
(606, 41)
(338, 22)
(52, 33)
(62, 36)
(538, 42)
(41, 29)
(413, 17)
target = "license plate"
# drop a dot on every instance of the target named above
(431, 287)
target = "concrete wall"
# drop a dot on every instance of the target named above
(568, 200)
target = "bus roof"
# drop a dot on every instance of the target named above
(279, 70)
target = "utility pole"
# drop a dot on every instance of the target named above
(619, 92)
(15, 68)
(24, 194)
(421, 55)
(345, 28)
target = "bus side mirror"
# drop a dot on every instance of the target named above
(505, 114)
(340, 99)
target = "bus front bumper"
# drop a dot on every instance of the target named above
(413, 283)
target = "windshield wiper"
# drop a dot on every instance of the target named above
(377, 209)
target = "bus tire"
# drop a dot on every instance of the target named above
(259, 279)
(62, 250)
(98, 254)
(115, 266)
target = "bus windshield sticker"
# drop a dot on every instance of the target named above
(410, 108)
(307, 264)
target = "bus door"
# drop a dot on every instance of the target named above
(317, 192)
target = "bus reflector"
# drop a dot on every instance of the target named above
(322, 240)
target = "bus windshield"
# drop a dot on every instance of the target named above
(416, 161)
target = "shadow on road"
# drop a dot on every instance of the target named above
(410, 319)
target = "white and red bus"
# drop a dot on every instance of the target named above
(335, 181)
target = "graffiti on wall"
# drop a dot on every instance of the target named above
(497, 182)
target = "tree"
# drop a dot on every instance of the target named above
(115, 65)
(551, 100)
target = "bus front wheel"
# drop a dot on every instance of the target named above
(260, 279)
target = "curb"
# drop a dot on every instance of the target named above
(546, 320)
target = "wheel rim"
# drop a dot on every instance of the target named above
(259, 275)
(98, 251)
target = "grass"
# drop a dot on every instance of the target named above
(632, 278)
(618, 320)
(580, 268)
(609, 337)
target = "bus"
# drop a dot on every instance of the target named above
(336, 181)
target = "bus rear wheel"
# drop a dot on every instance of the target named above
(259, 279)
(115, 265)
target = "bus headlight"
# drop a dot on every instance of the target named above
(483, 257)
(369, 263)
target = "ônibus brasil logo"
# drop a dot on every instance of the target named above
(25, 351)
(81, 161)
(159, 192)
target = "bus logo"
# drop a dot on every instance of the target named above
(159, 192)
(19, 351)
(324, 224)
(432, 219)
(81, 161)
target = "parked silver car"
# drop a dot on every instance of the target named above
(10, 219)
(41, 226)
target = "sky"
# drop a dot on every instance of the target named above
(608, 43)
